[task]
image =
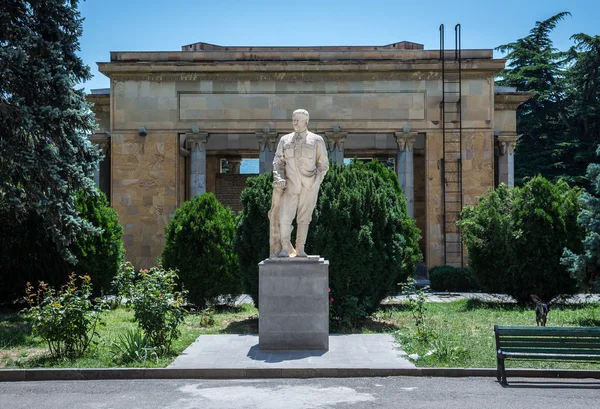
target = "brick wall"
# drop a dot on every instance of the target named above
(229, 188)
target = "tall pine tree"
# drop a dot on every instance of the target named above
(535, 65)
(45, 157)
(582, 79)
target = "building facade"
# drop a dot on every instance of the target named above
(171, 120)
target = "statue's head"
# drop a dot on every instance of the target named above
(300, 120)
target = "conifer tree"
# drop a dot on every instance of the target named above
(45, 157)
(535, 65)
(585, 267)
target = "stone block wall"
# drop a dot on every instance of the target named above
(144, 190)
(477, 178)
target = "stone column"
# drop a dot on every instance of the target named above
(196, 144)
(405, 141)
(506, 160)
(335, 145)
(267, 144)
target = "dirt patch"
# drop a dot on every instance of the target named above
(10, 358)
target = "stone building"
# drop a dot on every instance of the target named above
(170, 120)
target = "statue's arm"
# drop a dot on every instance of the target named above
(322, 160)
(279, 166)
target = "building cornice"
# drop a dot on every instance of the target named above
(195, 70)
(510, 101)
(101, 102)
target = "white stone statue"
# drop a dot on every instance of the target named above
(299, 167)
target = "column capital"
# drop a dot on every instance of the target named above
(102, 141)
(506, 142)
(196, 139)
(266, 139)
(405, 140)
(335, 139)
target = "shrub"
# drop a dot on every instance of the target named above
(515, 238)
(157, 306)
(360, 225)
(199, 244)
(28, 255)
(416, 303)
(66, 319)
(123, 284)
(449, 278)
(99, 256)
(252, 238)
(132, 346)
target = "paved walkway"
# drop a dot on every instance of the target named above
(372, 351)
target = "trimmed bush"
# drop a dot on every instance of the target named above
(199, 245)
(360, 225)
(449, 278)
(515, 238)
(99, 256)
(28, 255)
(252, 239)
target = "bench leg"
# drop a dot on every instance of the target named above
(502, 371)
(498, 369)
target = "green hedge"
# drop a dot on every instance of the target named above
(515, 238)
(28, 255)
(199, 245)
(360, 225)
(449, 278)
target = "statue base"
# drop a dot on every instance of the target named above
(293, 309)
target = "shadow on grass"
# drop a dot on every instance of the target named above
(586, 322)
(475, 304)
(219, 308)
(247, 326)
(397, 307)
(14, 331)
(368, 325)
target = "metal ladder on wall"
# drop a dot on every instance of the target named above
(451, 165)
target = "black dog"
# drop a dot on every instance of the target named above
(541, 310)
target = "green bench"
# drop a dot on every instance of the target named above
(545, 343)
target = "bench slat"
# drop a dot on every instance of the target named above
(551, 351)
(524, 355)
(550, 331)
(553, 344)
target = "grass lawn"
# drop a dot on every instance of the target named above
(19, 349)
(457, 334)
(461, 333)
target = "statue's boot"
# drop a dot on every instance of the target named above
(301, 234)
(287, 249)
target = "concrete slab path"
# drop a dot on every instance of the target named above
(372, 351)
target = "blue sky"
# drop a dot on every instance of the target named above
(159, 25)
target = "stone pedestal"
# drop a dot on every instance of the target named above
(294, 304)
